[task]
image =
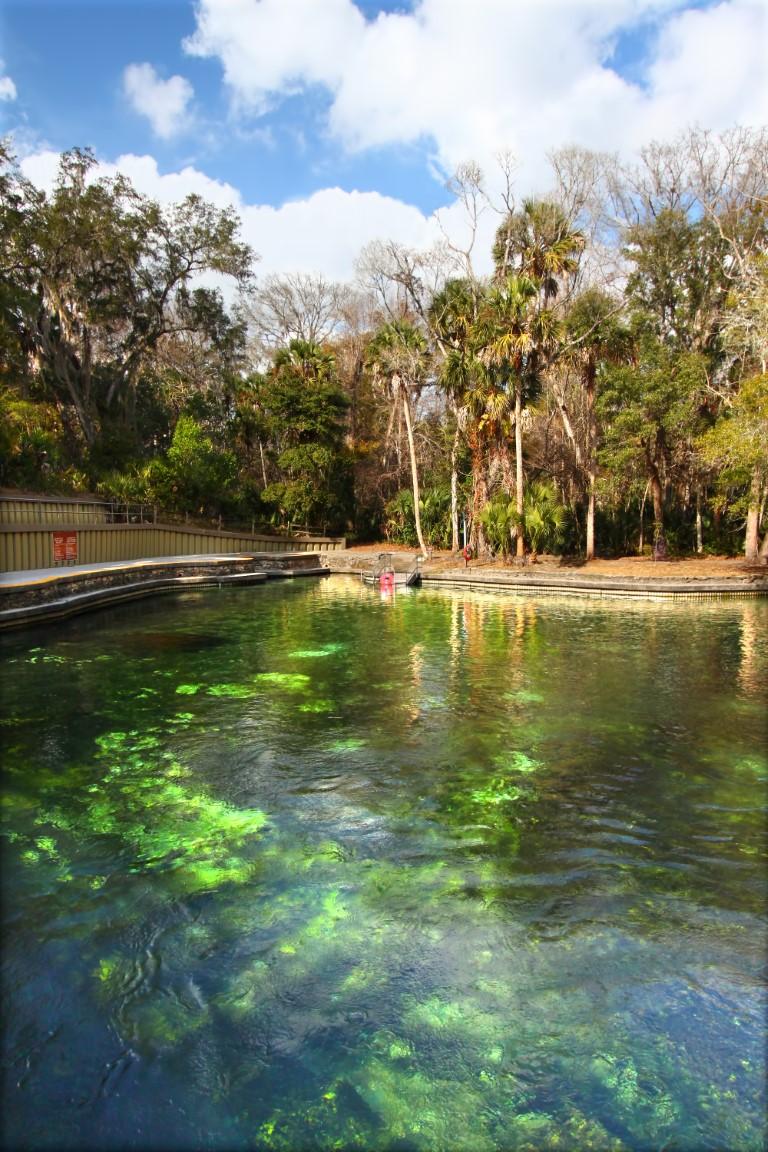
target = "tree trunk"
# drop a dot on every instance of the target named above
(263, 464)
(752, 537)
(590, 552)
(566, 422)
(455, 491)
(641, 541)
(477, 540)
(657, 496)
(519, 467)
(657, 491)
(65, 370)
(414, 469)
(699, 531)
(591, 465)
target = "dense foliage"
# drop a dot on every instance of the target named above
(603, 389)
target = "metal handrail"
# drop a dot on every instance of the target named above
(382, 563)
(75, 512)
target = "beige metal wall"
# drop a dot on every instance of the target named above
(27, 546)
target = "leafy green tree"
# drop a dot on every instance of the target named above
(678, 282)
(305, 409)
(677, 294)
(18, 199)
(737, 445)
(195, 477)
(104, 279)
(32, 441)
(649, 412)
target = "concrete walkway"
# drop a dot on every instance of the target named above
(33, 576)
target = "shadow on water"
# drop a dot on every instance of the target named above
(156, 643)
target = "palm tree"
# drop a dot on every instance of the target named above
(535, 251)
(398, 358)
(543, 516)
(515, 335)
(305, 358)
(451, 315)
(538, 242)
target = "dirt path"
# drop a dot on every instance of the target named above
(624, 568)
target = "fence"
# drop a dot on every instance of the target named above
(46, 533)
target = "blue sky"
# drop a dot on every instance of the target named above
(329, 123)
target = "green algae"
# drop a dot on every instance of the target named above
(524, 696)
(234, 691)
(196, 837)
(335, 1117)
(500, 790)
(105, 971)
(291, 681)
(47, 845)
(316, 653)
(517, 762)
(352, 744)
(157, 1024)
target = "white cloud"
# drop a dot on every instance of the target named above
(168, 188)
(474, 79)
(7, 86)
(171, 187)
(276, 46)
(323, 233)
(326, 231)
(163, 102)
(711, 63)
(41, 168)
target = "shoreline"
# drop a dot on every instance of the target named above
(625, 576)
(43, 595)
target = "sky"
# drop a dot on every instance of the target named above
(329, 124)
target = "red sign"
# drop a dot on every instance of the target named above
(64, 547)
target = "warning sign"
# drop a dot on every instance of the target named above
(64, 547)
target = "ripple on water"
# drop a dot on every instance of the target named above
(454, 872)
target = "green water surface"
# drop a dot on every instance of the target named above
(298, 867)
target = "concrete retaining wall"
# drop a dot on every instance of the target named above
(50, 595)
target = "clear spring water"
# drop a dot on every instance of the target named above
(296, 867)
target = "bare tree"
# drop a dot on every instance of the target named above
(403, 280)
(295, 306)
